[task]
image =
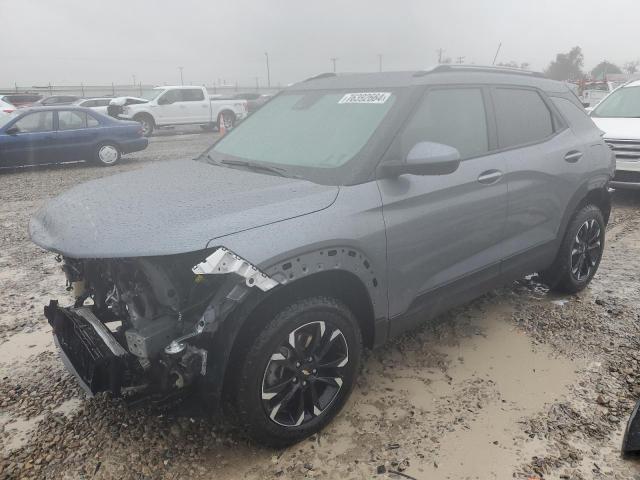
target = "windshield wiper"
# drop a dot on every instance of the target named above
(254, 166)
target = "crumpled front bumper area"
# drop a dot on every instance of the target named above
(88, 349)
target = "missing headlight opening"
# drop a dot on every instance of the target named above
(139, 325)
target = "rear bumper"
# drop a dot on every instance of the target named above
(88, 349)
(135, 145)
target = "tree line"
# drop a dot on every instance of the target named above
(569, 66)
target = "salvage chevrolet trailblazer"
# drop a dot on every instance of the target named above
(346, 210)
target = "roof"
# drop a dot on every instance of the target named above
(54, 109)
(443, 74)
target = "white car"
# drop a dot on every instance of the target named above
(6, 108)
(182, 105)
(97, 104)
(618, 116)
(102, 104)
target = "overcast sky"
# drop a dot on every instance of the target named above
(73, 41)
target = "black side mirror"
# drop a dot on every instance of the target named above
(13, 130)
(425, 158)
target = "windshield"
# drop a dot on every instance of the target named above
(308, 129)
(623, 103)
(151, 94)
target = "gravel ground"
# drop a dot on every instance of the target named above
(518, 384)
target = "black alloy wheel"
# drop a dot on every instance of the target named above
(304, 375)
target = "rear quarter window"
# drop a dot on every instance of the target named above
(578, 119)
(522, 117)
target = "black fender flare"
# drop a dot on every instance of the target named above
(234, 303)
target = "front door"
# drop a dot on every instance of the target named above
(33, 142)
(170, 109)
(447, 230)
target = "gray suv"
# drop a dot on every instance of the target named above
(347, 210)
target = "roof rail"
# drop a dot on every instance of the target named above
(480, 69)
(322, 75)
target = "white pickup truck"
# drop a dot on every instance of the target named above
(182, 105)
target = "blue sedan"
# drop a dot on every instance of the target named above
(65, 134)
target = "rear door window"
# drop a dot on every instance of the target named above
(192, 95)
(92, 122)
(70, 120)
(451, 116)
(522, 117)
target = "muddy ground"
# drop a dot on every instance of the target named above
(519, 384)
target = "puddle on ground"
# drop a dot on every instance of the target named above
(526, 378)
(22, 345)
(16, 431)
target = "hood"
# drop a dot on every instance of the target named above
(169, 208)
(619, 128)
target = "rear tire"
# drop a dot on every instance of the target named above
(228, 118)
(298, 372)
(580, 252)
(107, 154)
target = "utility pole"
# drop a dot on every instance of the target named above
(181, 77)
(380, 62)
(440, 52)
(334, 60)
(266, 54)
(497, 52)
(460, 60)
(134, 80)
(257, 85)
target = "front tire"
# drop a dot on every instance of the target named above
(580, 252)
(147, 123)
(298, 372)
(107, 154)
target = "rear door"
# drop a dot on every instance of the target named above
(77, 135)
(195, 106)
(33, 143)
(447, 230)
(544, 160)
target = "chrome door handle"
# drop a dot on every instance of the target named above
(573, 156)
(490, 176)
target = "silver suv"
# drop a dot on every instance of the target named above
(346, 210)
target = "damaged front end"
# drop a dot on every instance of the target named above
(143, 326)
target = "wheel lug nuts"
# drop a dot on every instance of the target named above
(304, 383)
(315, 371)
(297, 364)
(295, 380)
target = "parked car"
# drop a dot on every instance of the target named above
(185, 106)
(21, 99)
(101, 104)
(64, 134)
(346, 210)
(618, 116)
(55, 100)
(594, 92)
(254, 100)
(6, 108)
